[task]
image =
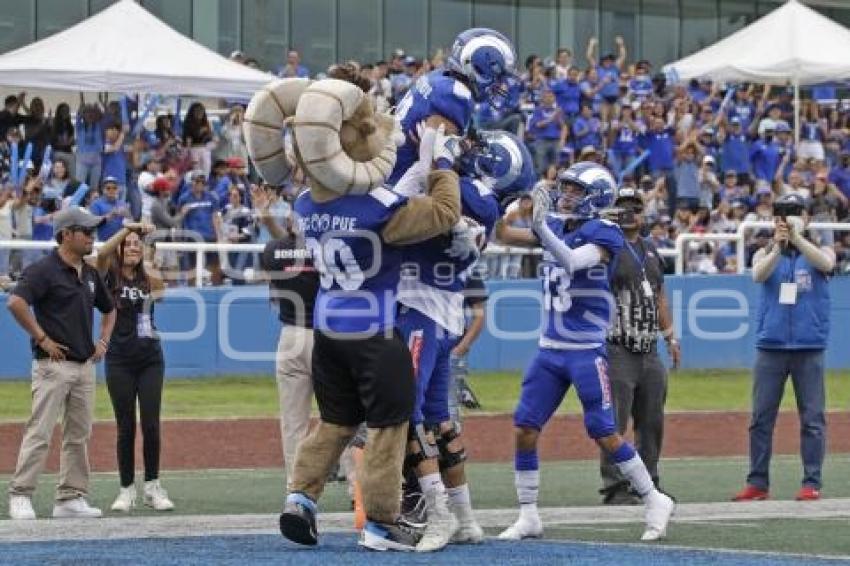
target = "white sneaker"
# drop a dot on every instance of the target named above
(527, 526)
(441, 525)
(659, 509)
(468, 531)
(126, 499)
(77, 508)
(20, 508)
(156, 497)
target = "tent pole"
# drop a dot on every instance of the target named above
(796, 112)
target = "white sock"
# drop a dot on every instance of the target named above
(635, 471)
(459, 495)
(527, 484)
(432, 482)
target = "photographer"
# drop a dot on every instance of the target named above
(793, 328)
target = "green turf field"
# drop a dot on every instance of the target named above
(563, 484)
(257, 396)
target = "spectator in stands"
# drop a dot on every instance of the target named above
(568, 94)
(7, 201)
(563, 63)
(793, 327)
(109, 206)
(90, 143)
(198, 137)
(36, 129)
(60, 184)
(232, 141)
(735, 150)
(219, 181)
(839, 175)
(200, 210)
(813, 132)
(591, 88)
(765, 156)
(114, 158)
(548, 130)
(587, 129)
(686, 174)
(62, 136)
(659, 140)
(9, 116)
(608, 70)
(237, 227)
(237, 173)
(151, 170)
(293, 67)
(623, 139)
(640, 85)
(709, 186)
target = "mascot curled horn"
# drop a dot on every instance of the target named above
(354, 227)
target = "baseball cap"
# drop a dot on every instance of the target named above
(628, 193)
(740, 203)
(731, 173)
(708, 159)
(587, 150)
(161, 185)
(782, 127)
(75, 216)
(707, 130)
(235, 162)
(198, 175)
(735, 121)
(398, 53)
(109, 180)
(410, 60)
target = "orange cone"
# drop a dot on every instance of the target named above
(359, 510)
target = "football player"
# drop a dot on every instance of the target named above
(431, 320)
(480, 68)
(577, 306)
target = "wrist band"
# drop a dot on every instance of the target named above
(103, 342)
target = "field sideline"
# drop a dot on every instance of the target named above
(256, 396)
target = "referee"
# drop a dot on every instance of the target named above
(62, 290)
(293, 285)
(637, 376)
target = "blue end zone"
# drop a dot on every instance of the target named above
(340, 548)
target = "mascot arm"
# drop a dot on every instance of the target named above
(423, 218)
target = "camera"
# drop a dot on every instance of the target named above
(785, 209)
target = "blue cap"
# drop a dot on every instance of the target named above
(110, 179)
(735, 120)
(782, 127)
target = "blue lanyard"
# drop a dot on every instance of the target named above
(640, 261)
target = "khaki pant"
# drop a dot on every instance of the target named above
(293, 367)
(63, 389)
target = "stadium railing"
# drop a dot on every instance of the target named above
(679, 252)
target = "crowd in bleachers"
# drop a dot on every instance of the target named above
(703, 156)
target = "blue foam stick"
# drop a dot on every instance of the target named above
(13, 166)
(79, 195)
(176, 121)
(22, 171)
(152, 103)
(730, 92)
(125, 113)
(634, 164)
(46, 164)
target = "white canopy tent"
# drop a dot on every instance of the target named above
(125, 48)
(791, 45)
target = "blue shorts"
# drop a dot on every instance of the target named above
(548, 379)
(430, 347)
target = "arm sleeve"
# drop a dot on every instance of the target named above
(572, 260)
(823, 259)
(479, 202)
(423, 218)
(160, 217)
(32, 285)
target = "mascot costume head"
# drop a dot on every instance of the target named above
(340, 142)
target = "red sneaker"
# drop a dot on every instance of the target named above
(808, 493)
(751, 493)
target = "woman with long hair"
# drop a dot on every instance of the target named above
(134, 362)
(199, 137)
(62, 135)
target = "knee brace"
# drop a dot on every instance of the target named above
(425, 446)
(449, 459)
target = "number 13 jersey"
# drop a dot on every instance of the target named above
(358, 271)
(577, 309)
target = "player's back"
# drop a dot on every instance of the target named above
(358, 271)
(578, 307)
(436, 93)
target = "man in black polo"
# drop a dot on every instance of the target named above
(293, 285)
(637, 376)
(61, 289)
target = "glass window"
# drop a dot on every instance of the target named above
(448, 18)
(96, 6)
(840, 15)
(16, 22)
(495, 14)
(578, 19)
(699, 25)
(265, 31)
(228, 22)
(659, 31)
(536, 29)
(736, 14)
(360, 30)
(176, 13)
(56, 15)
(314, 34)
(405, 27)
(619, 17)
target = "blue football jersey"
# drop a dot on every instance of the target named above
(433, 94)
(358, 271)
(432, 278)
(577, 310)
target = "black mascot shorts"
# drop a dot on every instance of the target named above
(363, 379)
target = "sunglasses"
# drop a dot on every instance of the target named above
(82, 229)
